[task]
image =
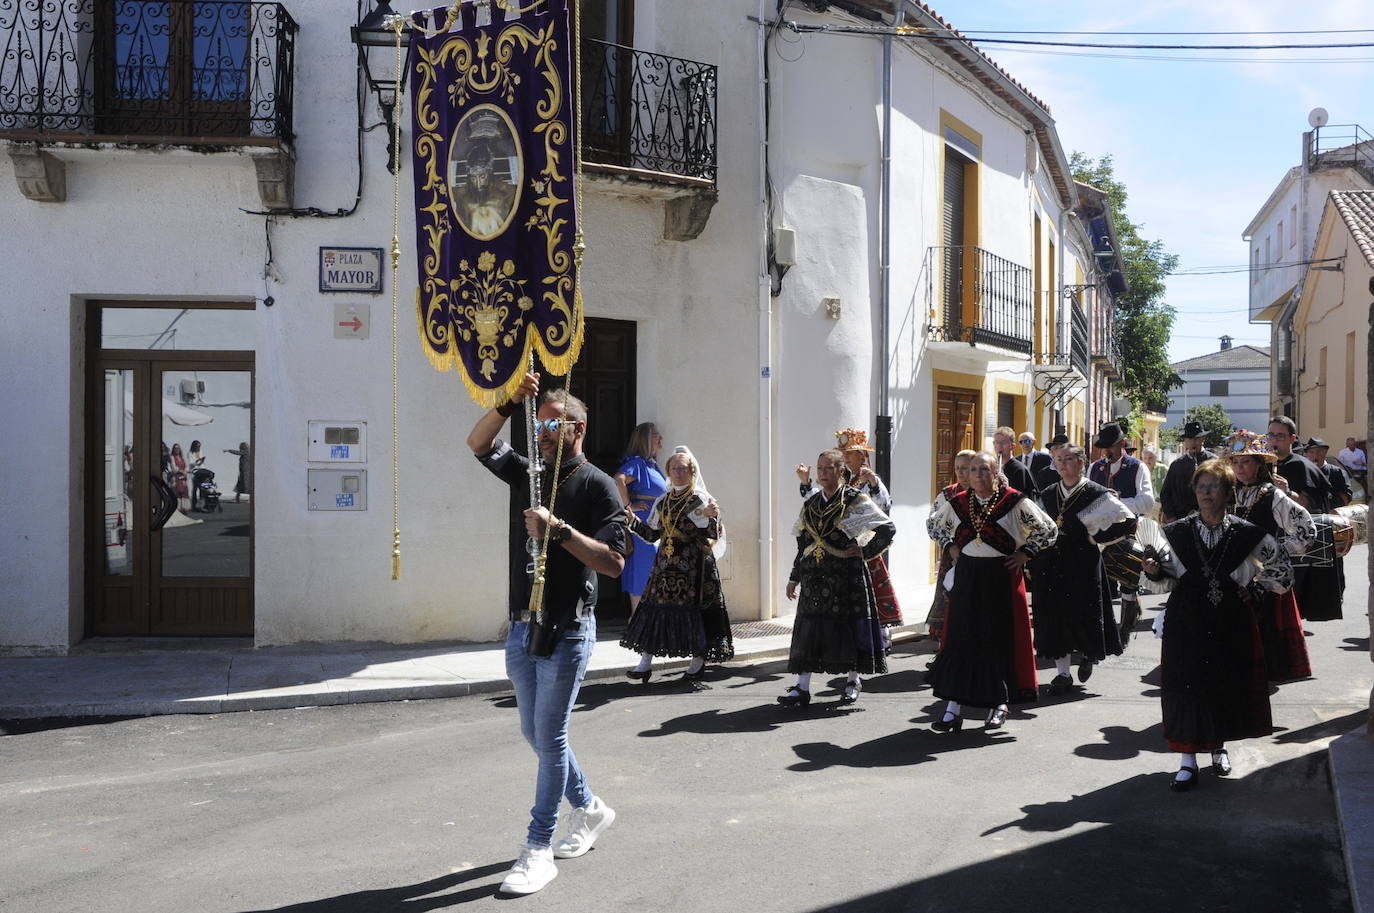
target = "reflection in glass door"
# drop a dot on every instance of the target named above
(175, 499)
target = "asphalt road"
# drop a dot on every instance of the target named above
(726, 802)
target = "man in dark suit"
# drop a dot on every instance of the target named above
(1035, 460)
(1017, 473)
(1048, 476)
(1176, 499)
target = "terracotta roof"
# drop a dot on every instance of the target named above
(1357, 211)
(995, 65)
(1233, 359)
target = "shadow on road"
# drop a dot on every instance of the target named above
(412, 898)
(1326, 729)
(1356, 644)
(1136, 846)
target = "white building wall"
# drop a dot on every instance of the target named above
(1247, 402)
(1306, 195)
(168, 225)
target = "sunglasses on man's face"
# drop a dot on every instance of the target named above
(550, 425)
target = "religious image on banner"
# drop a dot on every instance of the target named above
(495, 212)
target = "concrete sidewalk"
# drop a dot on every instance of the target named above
(142, 677)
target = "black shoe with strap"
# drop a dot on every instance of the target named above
(1221, 762)
(795, 697)
(1181, 783)
(850, 693)
(997, 717)
(950, 722)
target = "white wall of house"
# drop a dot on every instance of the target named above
(324, 576)
(705, 331)
(1284, 229)
(1246, 401)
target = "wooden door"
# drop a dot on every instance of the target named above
(956, 428)
(169, 541)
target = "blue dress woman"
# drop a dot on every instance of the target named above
(641, 483)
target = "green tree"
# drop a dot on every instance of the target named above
(1214, 418)
(1143, 318)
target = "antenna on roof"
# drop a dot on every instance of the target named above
(1317, 117)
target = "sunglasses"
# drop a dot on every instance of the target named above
(550, 425)
(1026, 440)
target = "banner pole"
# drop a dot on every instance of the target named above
(397, 24)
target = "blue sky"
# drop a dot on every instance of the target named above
(1199, 145)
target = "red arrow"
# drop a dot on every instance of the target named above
(355, 323)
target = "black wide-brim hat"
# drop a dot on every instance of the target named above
(1315, 442)
(1193, 429)
(1058, 440)
(1109, 434)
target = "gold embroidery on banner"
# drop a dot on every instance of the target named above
(479, 301)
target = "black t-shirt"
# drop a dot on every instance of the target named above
(1340, 493)
(1176, 498)
(1305, 478)
(588, 501)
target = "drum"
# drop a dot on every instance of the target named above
(1358, 516)
(1123, 560)
(1335, 536)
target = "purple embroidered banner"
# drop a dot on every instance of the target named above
(495, 212)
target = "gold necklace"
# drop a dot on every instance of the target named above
(1260, 492)
(1066, 500)
(827, 518)
(671, 521)
(980, 514)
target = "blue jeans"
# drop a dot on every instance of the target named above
(545, 690)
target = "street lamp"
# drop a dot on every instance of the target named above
(375, 32)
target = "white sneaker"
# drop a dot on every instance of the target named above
(587, 824)
(533, 869)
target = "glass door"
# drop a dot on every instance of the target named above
(173, 509)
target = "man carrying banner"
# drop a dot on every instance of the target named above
(585, 537)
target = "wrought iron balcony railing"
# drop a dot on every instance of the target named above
(171, 71)
(1078, 337)
(648, 112)
(980, 298)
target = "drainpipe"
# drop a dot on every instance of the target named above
(765, 334)
(882, 431)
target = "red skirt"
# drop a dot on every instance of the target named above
(889, 613)
(1285, 648)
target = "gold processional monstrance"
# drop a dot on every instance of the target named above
(497, 140)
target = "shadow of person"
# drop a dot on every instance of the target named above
(413, 898)
(899, 749)
(1356, 644)
(756, 718)
(1121, 743)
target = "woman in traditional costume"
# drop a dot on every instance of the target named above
(1073, 599)
(935, 618)
(853, 443)
(1261, 503)
(1214, 687)
(837, 628)
(990, 533)
(683, 611)
(641, 483)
